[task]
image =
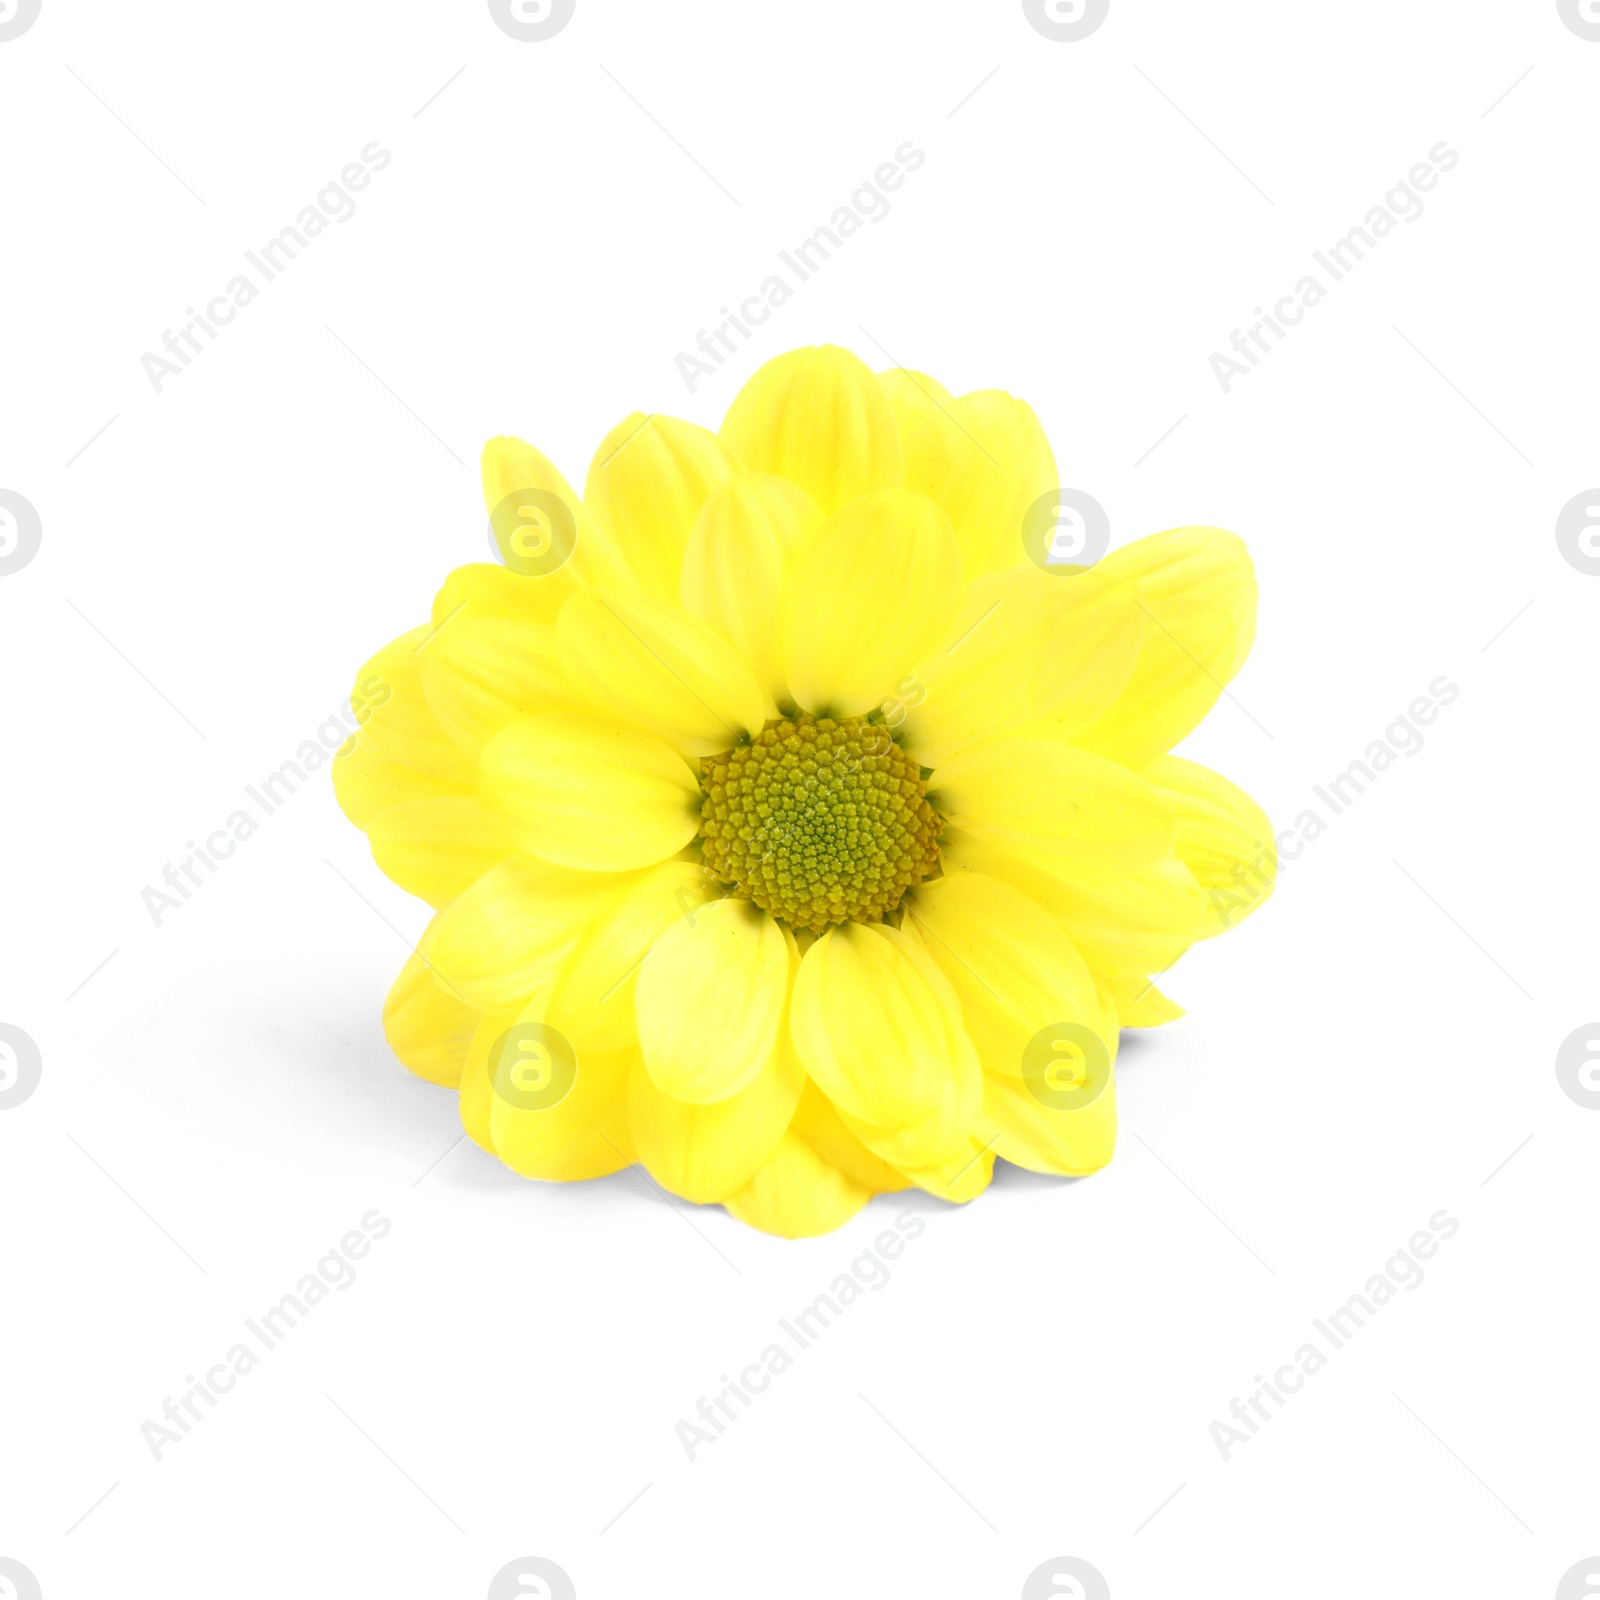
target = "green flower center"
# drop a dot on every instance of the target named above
(818, 820)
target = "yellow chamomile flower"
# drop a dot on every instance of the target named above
(798, 818)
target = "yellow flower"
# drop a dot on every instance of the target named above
(795, 827)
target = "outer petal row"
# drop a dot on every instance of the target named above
(1025, 652)
(1197, 589)
(819, 418)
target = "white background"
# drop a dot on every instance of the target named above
(217, 1103)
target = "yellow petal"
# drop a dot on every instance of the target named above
(429, 1029)
(706, 1152)
(530, 502)
(1197, 589)
(1043, 1138)
(819, 418)
(926, 1144)
(1174, 683)
(1140, 1004)
(589, 793)
(398, 717)
(593, 1000)
(436, 848)
(738, 559)
(710, 1000)
(984, 460)
(1013, 969)
(1225, 838)
(656, 665)
(584, 1133)
(480, 673)
(796, 1194)
(476, 1097)
(1026, 651)
(1110, 1028)
(1066, 810)
(819, 1124)
(646, 485)
(367, 782)
(914, 398)
(871, 593)
(879, 1028)
(482, 589)
(1208, 564)
(505, 938)
(1139, 923)
(961, 1176)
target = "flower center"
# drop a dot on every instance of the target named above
(818, 820)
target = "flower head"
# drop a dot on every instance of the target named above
(800, 822)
